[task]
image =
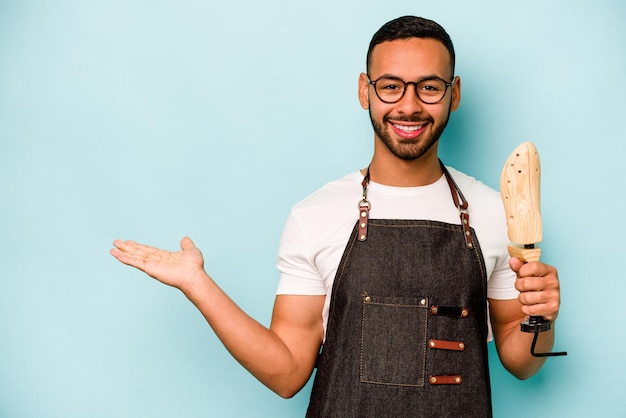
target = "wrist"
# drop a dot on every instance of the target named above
(196, 284)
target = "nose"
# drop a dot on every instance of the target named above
(410, 103)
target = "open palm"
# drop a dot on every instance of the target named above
(176, 269)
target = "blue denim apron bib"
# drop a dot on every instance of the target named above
(407, 328)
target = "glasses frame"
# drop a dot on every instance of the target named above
(406, 84)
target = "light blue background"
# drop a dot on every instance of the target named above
(150, 120)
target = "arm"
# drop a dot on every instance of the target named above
(281, 357)
(538, 284)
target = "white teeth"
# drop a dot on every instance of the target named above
(404, 128)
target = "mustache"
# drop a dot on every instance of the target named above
(410, 119)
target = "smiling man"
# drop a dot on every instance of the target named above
(394, 277)
(417, 124)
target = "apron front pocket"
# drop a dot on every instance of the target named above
(393, 340)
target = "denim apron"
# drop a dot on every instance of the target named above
(407, 328)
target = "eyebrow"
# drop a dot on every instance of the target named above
(427, 77)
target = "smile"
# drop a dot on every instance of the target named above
(405, 128)
(409, 132)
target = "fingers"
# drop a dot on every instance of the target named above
(536, 290)
(131, 253)
(121, 255)
(135, 254)
(539, 288)
(534, 268)
(548, 310)
(132, 247)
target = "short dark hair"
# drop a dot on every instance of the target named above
(411, 27)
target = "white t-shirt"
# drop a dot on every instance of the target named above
(318, 228)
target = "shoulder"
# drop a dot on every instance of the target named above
(315, 234)
(484, 201)
(469, 185)
(327, 214)
(333, 194)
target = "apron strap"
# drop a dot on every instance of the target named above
(457, 196)
(461, 205)
(364, 208)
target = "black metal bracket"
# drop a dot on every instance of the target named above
(537, 324)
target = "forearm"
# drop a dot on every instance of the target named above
(514, 351)
(259, 349)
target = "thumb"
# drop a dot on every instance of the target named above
(186, 243)
(515, 264)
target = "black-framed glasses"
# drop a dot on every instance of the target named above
(429, 90)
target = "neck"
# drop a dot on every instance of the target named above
(390, 170)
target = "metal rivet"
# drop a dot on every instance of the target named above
(461, 346)
(457, 379)
(363, 225)
(467, 233)
(433, 310)
(432, 343)
(368, 299)
(362, 237)
(465, 221)
(470, 245)
(464, 313)
(363, 214)
(423, 302)
(433, 380)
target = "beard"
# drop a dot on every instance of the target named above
(409, 150)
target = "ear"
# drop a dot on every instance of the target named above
(456, 94)
(364, 87)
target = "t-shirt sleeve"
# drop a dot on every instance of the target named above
(298, 274)
(502, 280)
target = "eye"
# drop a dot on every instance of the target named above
(433, 86)
(389, 84)
(430, 86)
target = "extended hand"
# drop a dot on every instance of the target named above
(538, 284)
(176, 269)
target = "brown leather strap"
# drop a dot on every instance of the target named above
(446, 345)
(461, 205)
(455, 379)
(364, 212)
(364, 207)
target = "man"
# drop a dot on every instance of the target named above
(379, 268)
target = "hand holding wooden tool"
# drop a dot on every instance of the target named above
(520, 191)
